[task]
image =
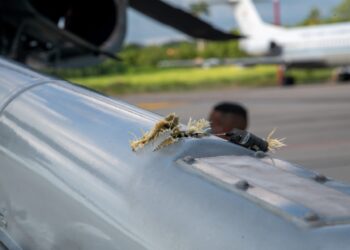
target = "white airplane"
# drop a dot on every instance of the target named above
(306, 47)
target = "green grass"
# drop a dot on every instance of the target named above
(193, 78)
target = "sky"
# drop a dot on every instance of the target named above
(142, 29)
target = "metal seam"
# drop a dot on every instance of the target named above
(16, 93)
(8, 242)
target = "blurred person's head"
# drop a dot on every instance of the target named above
(226, 116)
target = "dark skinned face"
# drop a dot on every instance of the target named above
(223, 123)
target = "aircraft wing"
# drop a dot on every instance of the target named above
(180, 20)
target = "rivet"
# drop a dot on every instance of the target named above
(3, 223)
(242, 185)
(259, 154)
(189, 159)
(310, 217)
(320, 178)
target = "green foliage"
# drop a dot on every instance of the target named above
(222, 50)
(193, 78)
(313, 18)
(137, 58)
(142, 56)
(149, 56)
(106, 67)
(199, 8)
(341, 13)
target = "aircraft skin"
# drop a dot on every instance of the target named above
(69, 180)
(319, 45)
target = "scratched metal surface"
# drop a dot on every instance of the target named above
(15, 78)
(278, 188)
(69, 180)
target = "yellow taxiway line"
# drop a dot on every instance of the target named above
(158, 105)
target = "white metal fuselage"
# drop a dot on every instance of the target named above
(325, 44)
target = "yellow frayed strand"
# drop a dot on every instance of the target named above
(197, 127)
(171, 124)
(274, 143)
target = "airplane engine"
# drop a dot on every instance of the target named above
(65, 33)
(69, 180)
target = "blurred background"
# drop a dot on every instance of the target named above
(149, 42)
(313, 112)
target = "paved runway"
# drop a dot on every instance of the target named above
(314, 119)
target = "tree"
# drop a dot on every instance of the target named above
(313, 18)
(199, 8)
(341, 13)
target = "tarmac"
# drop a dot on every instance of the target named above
(314, 119)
